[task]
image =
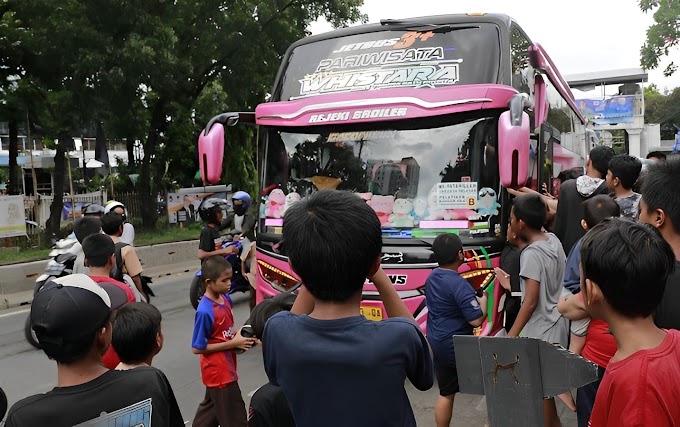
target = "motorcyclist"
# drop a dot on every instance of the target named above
(90, 210)
(243, 222)
(83, 228)
(210, 212)
(128, 229)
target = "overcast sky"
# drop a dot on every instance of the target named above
(580, 35)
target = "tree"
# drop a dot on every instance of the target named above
(651, 92)
(173, 52)
(664, 110)
(142, 68)
(10, 93)
(60, 57)
(663, 35)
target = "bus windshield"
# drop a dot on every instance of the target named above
(422, 179)
(464, 54)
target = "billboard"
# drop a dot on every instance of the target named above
(12, 216)
(613, 110)
(183, 205)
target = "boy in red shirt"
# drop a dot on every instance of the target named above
(99, 258)
(625, 266)
(215, 340)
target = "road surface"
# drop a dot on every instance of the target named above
(25, 371)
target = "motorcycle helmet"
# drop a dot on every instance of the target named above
(112, 204)
(244, 198)
(93, 209)
(209, 208)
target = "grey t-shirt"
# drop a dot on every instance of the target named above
(629, 205)
(544, 261)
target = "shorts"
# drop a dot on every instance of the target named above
(447, 379)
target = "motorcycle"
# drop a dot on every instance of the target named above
(61, 264)
(3, 404)
(239, 283)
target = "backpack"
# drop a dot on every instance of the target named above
(117, 270)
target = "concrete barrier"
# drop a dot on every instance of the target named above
(157, 260)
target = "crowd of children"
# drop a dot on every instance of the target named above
(613, 299)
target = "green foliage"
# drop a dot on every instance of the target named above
(156, 71)
(663, 35)
(651, 92)
(4, 175)
(664, 110)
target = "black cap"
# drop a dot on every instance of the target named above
(446, 247)
(267, 308)
(71, 307)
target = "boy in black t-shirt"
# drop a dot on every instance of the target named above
(211, 213)
(71, 317)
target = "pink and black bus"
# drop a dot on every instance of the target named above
(429, 120)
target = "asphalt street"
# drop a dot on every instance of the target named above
(25, 371)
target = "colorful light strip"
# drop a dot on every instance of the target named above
(275, 270)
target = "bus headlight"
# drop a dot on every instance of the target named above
(479, 278)
(277, 278)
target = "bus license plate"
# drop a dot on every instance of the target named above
(372, 313)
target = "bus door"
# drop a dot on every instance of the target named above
(545, 166)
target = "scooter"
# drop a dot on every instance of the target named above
(60, 265)
(239, 283)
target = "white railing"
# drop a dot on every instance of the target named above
(38, 210)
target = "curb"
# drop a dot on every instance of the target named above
(18, 299)
(157, 261)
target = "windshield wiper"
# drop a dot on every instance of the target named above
(416, 26)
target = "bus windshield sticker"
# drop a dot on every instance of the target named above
(386, 57)
(426, 74)
(366, 135)
(457, 195)
(404, 41)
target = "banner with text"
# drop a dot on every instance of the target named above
(12, 216)
(617, 109)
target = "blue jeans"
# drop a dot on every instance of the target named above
(585, 399)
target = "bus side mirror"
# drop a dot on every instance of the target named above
(211, 147)
(513, 144)
(211, 153)
(540, 101)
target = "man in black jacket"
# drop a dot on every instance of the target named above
(575, 191)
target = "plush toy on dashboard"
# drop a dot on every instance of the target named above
(382, 205)
(365, 196)
(487, 204)
(291, 199)
(434, 213)
(401, 213)
(419, 209)
(275, 203)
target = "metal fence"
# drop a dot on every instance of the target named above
(133, 203)
(38, 209)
